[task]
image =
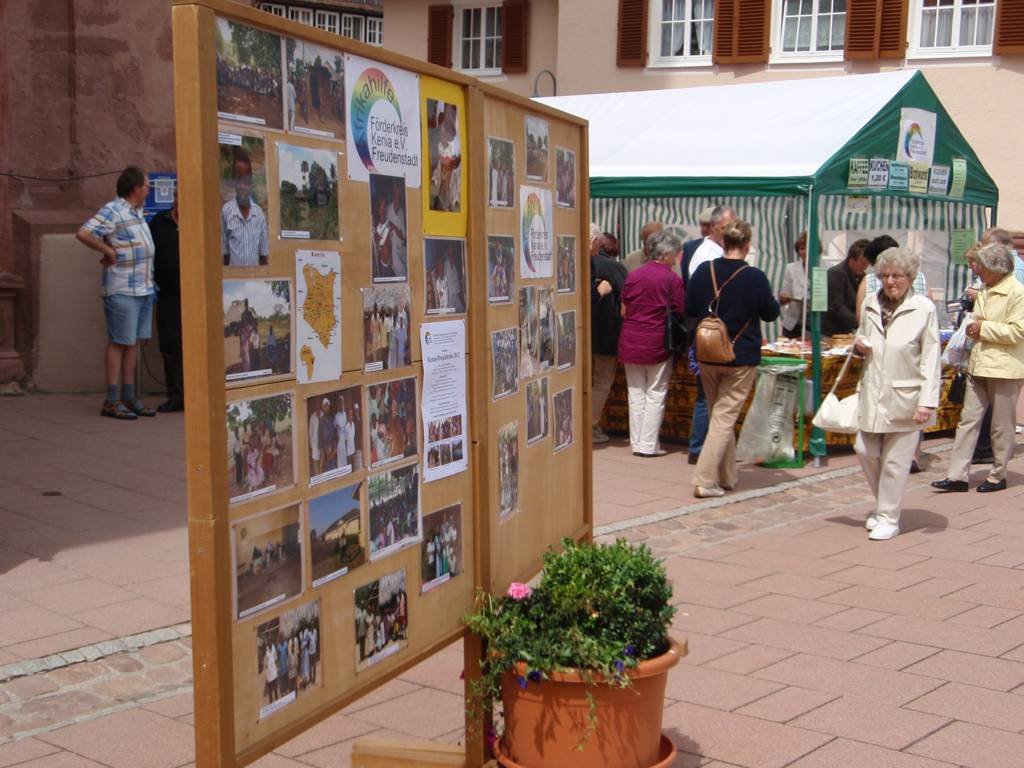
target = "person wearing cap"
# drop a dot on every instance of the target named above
(607, 278)
(690, 246)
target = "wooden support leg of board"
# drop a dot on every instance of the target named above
(377, 753)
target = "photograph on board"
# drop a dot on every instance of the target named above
(386, 324)
(508, 470)
(257, 328)
(536, 149)
(445, 156)
(394, 504)
(441, 550)
(259, 446)
(546, 326)
(268, 560)
(504, 362)
(501, 268)
(561, 407)
(566, 271)
(565, 178)
(244, 233)
(248, 74)
(389, 251)
(317, 316)
(315, 91)
(536, 410)
(335, 534)
(381, 619)
(566, 339)
(529, 333)
(335, 434)
(288, 657)
(308, 192)
(391, 409)
(501, 181)
(445, 269)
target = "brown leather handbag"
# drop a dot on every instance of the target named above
(712, 342)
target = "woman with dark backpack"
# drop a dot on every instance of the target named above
(729, 298)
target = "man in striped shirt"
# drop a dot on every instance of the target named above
(243, 225)
(119, 232)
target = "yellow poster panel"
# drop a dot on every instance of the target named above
(443, 112)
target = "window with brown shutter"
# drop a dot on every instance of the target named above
(515, 22)
(1009, 34)
(632, 43)
(876, 29)
(741, 31)
(892, 31)
(439, 35)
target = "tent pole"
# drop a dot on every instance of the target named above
(817, 442)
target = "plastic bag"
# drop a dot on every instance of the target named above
(958, 349)
(767, 431)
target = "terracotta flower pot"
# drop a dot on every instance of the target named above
(545, 723)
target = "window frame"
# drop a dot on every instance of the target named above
(327, 16)
(378, 23)
(654, 58)
(457, 11)
(353, 19)
(779, 56)
(954, 51)
(277, 9)
(301, 15)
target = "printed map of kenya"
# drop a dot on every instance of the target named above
(318, 308)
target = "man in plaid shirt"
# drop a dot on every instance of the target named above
(119, 232)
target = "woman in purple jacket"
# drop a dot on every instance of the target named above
(650, 290)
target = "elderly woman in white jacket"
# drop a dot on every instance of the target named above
(899, 386)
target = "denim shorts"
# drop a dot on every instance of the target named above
(129, 318)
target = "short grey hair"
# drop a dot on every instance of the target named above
(996, 257)
(661, 245)
(999, 235)
(900, 260)
(719, 212)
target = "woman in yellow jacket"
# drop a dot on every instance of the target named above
(995, 371)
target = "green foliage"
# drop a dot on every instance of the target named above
(256, 48)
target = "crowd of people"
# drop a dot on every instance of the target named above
(394, 513)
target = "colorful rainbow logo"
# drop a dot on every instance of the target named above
(913, 142)
(371, 87)
(532, 209)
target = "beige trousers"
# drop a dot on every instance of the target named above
(1002, 394)
(885, 458)
(726, 388)
(647, 386)
(603, 368)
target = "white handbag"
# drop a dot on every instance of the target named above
(835, 415)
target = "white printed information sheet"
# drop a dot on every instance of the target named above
(445, 445)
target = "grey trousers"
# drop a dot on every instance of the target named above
(1002, 395)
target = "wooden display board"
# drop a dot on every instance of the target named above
(335, 538)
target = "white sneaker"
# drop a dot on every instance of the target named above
(883, 530)
(710, 492)
(871, 522)
(1020, 429)
(599, 436)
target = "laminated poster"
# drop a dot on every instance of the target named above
(318, 319)
(956, 188)
(819, 289)
(444, 399)
(919, 178)
(878, 173)
(899, 176)
(537, 220)
(917, 136)
(938, 181)
(858, 174)
(444, 131)
(959, 241)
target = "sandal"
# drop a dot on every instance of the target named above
(117, 410)
(139, 408)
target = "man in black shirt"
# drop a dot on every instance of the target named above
(607, 277)
(843, 280)
(167, 276)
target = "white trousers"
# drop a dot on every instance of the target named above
(885, 458)
(647, 386)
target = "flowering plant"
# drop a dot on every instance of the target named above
(598, 610)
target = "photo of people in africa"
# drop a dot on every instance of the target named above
(441, 550)
(562, 409)
(335, 434)
(257, 328)
(536, 149)
(268, 560)
(546, 318)
(445, 269)
(309, 192)
(248, 74)
(501, 182)
(445, 155)
(536, 410)
(315, 91)
(386, 325)
(259, 446)
(391, 408)
(244, 236)
(504, 362)
(394, 510)
(381, 619)
(335, 527)
(529, 333)
(388, 229)
(501, 275)
(566, 271)
(508, 470)
(288, 657)
(565, 178)
(566, 339)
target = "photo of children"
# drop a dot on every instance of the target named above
(335, 434)
(566, 339)
(288, 657)
(388, 241)
(259, 446)
(536, 149)
(445, 155)
(335, 526)
(441, 550)
(565, 178)
(445, 439)
(386, 324)
(244, 236)
(248, 74)
(268, 560)
(309, 192)
(562, 409)
(257, 328)
(394, 510)
(546, 318)
(566, 272)
(501, 181)
(391, 409)
(445, 269)
(508, 471)
(381, 619)
(529, 333)
(536, 410)
(501, 254)
(315, 91)
(504, 362)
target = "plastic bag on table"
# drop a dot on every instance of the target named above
(958, 348)
(767, 432)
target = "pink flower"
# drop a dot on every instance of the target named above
(519, 591)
